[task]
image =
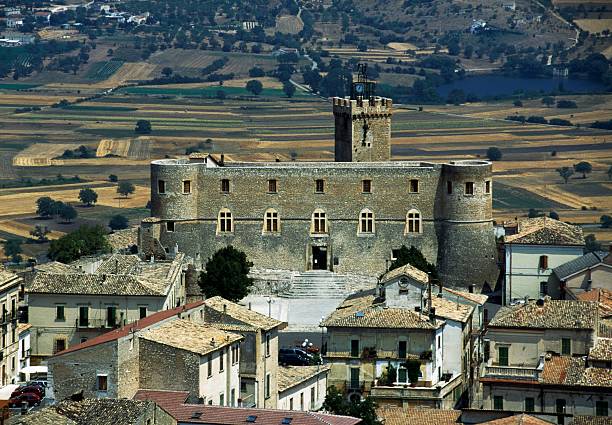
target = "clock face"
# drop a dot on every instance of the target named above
(359, 88)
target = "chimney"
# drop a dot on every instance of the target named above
(116, 266)
(432, 315)
(222, 160)
(224, 308)
(439, 289)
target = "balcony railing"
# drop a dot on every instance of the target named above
(512, 372)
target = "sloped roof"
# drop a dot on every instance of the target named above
(365, 312)
(602, 350)
(579, 264)
(419, 416)
(190, 336)
(601, 296)
(225, 314)
(122, 239)
(553, 314)
(520, 419)
(7, 277)
(290, 376)
(408, 270)
(476, 298)
(572, 371)
(452, 310)
(55, 267)
(546, 231)
(591, 420)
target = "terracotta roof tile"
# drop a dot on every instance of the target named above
(572, 371)
(592, 420)
(521, 419)
(408, 270)
(553, 314)
(602, 350)
(223, 313)
(290, 376)
(546, 231)
(452, 310)
(419, 416)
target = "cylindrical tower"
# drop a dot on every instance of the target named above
(466, 241)
(174, 189)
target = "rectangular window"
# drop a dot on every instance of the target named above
(225, 222)
(111, 316)
(543, 263)
(272, 222)
(186, 186)
(272, 186)
(402, 375)
(488, 187)
(366, 186)
(401, 350)
(601, 408)
(502, 358)
(83, 316)
(291, 403)
(354, 348)
(414, 186)
(161, 186)
(267, 345)
(319, 222)
(498, 402)
(221, 360)
(529, 404)
(449, 187)
(319, 186)
(209, 364)
(233, 397)
(102, 382)
(267, 386)
(225, 185)
(170, 226)
(354, 383)
(487, 350)
(312, 398)
(221, 399)
(59, 344)
(543, 289)
(560, 405)
(566, 346)
(301, 401)
(60, 314)
(367, 222)
(142, 311)
(469, 188)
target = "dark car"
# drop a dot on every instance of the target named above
(293, 357)
(34, 389)
(30, 398)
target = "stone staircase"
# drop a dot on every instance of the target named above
(325, 284)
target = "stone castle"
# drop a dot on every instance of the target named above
(347, 216)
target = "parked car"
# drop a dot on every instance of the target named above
(38, 384)
(30, 398)
(34, 389)
(293, 357)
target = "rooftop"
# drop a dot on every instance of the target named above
(224, 314)
(591, 420)
(7, 278)
(572, 371)
(602, 350)
(579, 264)
(452, 310)
(419, 416)
(290, 376)
(190, 336)
(406, 270)
(546, 231)
(551, 314)
(217, 415)
(480, 299)
(366, 311)
(601, 296)
(520, 419)
(122, 239)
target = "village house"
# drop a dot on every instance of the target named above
(302, 387)
(536, 360)
(589, 272)
(400, 343)
(538, 246)
(69, 304)
(10, 287)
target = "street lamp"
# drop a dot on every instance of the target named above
(269, 306)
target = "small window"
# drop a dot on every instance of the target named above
(502, 357)
(543, 263)
(170, 226)
(366, 186)
(414, 186)
(222, 360)
(402, 375)
(102, 382)
(601, 408)
(312, 398)
(221, 399)
(225, 185)
(319, 222)
(59, 312)
(267, 386)
(186, 186)
(272, 187)
(161, 186)
(488, 187)
(209, 364)
(469, 188)
(320, 186)
(449, 187)
(225, 221)
(566, 346)
(291, 403)
(142, 311)
(366, 221)
(59, 344)
(401, 349)
(83, 339)
(271, 221)
(83, 316)
(302, 401)
(529, 404)
(413, 222)
(498, 402)
(267, 345)
(354, 348)
(111, 316)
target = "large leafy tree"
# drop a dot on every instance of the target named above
(565, 173)
(88, 196)
(12, 249)
(336, 403)
(67, 213)
(584, 168)
(46, 207)
(118, 222)
(227, 274)
(125, 188)
(87, 240)
(254, 86)
(415, 258)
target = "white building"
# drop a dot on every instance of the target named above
(302, 387)
(539, 245)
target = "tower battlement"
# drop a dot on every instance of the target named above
(376, 105)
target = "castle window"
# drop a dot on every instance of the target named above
(225, 185)
(319, 222)
(225, 223)
(170, 226)
(272, 186)
(366, 221)
(271, 221)
(366, 186)
(413, 222)
(414, 186)
(186, 186)
(449, 187)
(488, 187)
(161, 186)
(319, 186)
(469, 188)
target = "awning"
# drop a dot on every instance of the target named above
(34, 369)
(7, 390)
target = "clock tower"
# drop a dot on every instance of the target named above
(362, 123)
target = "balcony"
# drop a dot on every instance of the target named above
(512, 372)
(83, 324)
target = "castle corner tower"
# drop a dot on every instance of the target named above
(362, 123)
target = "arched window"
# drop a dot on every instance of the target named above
(366, 221)
(271, 221)
(225, 224)
(319, 222)
(413, 222)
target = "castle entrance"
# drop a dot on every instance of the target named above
(319, 258)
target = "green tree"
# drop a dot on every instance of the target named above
(40, 233)
(125, 188)
(591, 244)
(46, 207)
(606, 221)
(456, 97)
(336, 403)
(554, 215)
(87, 240)
(533, 213)
(584, 168)
(565, 173)
(609, 172)
(12, 249)
(518, 103)
(113, 178)
(256, 72)
(494, 154)
(227, 274)
(548, 101)
(167, 71)
(415, 258)
(118, 222)
(67, 213)
(143, 127)
(288, 88)
(254, 86)
(88, 196)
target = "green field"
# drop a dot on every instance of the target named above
(205, 91)
(510, 197)
(17, 86)
(100, 71)
(100, 108)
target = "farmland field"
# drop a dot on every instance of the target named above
(103, 70)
